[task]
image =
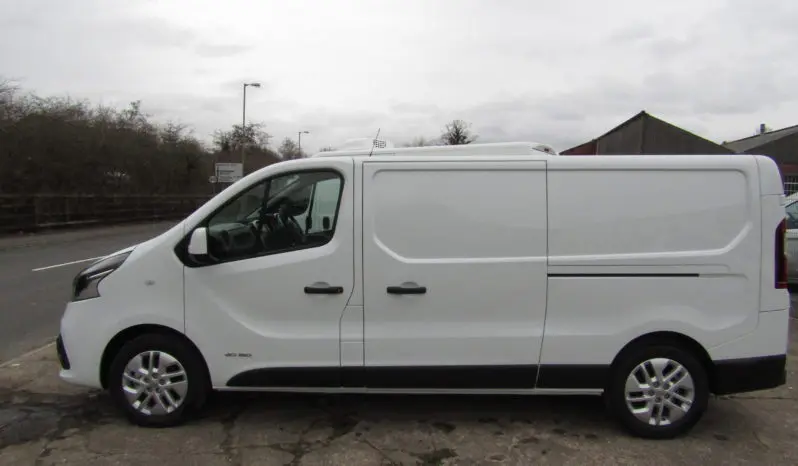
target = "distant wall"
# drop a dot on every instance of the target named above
(26, 213)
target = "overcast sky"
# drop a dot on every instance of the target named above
(553, 72)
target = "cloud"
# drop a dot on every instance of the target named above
(218, 51)
(631, 33)
(554, 72)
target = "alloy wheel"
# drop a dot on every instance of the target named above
(155, 383)
(659, 391)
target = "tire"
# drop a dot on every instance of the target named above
(172, 396)
(659, 416)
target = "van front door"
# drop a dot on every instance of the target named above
(265, 306)
(454, 262)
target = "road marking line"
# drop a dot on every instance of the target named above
(66, 263)
(29, 353)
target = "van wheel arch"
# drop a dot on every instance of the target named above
(130, 333)
(678, 340)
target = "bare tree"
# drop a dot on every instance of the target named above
(7, 91)
(65, 146)
(457, 132)
(251, 137)
(288, 150)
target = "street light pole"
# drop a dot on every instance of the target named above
(299, 140)
(244, 126)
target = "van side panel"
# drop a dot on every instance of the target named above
(669, 243)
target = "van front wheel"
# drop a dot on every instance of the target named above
(155, 380)
(658, 391)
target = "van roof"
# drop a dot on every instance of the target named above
(498, 148)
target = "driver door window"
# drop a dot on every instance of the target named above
(285, 213)
(323, 207)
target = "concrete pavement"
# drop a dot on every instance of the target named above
(31, 302)
(46, 422)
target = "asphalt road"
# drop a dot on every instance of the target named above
(32, 301)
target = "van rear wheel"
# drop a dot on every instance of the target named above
(156, 380)
(658, 391)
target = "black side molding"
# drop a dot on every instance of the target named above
(495, 377)
(749, 374)
(573, 376)
(450, 377)
(288, 377)
(728, 377)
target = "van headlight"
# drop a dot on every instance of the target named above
(85, 284)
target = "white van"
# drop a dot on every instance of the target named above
(484, 269)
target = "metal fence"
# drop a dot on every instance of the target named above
(24, 213)
(790, 184)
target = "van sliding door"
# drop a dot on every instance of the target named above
(454, 262)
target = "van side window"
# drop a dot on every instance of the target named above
(281, 214)
(792, 216)
(324, 206)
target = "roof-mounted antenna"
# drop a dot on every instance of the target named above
(374, 142)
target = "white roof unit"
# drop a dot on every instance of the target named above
(364, 143)
(498, 148)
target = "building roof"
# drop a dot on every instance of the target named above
(642, 115)
(752, 142)
(586, 148)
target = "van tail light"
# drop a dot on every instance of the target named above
(781, 255)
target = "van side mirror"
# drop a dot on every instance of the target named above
(198, 244)
(325, 223)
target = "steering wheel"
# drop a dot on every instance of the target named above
(291, 226)
(260, 229)
(224, 240)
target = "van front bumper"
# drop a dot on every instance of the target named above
(749, 374)
(81, 342)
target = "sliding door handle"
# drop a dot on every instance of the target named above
(407, 289)
(323, 289)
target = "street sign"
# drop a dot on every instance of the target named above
(229, 172)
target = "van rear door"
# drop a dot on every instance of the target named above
(454, 263)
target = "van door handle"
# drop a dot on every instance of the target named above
(407, 289)
(324, 289)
